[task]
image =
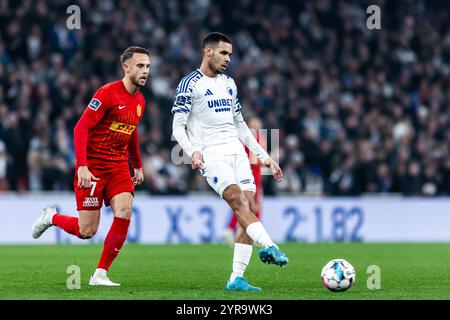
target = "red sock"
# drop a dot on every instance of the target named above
(233, 221)
(113, 242)
(67, 223)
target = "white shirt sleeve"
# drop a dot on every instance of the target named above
(181, 110)
(179, 132)
(244, 133)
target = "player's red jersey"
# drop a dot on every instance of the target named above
(111, 118)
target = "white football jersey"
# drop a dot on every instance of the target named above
(212, 104)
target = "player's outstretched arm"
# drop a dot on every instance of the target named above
(179, 133)
(247, 138)
(92, 115)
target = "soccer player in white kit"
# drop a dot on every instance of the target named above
(209, 126)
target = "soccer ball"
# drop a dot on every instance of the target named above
(338, 275)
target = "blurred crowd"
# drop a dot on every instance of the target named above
(357, 111)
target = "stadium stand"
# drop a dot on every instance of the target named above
(359, 111)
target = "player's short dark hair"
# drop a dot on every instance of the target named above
(214, 38)
(128, 53)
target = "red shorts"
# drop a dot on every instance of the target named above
(114, 178)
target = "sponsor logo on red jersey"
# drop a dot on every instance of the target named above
(122, 127)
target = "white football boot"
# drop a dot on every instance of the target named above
(101, 279)
(43, 222)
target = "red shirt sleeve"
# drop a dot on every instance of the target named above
(134, 151)
(94, 112)
(133, 145)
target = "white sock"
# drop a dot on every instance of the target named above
(241, 259)
(259, 235)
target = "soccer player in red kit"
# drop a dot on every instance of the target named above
(105, 137)
(254, 123)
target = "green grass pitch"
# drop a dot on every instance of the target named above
(190, 272)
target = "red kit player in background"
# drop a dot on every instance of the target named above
(105, 137)
(254, 124)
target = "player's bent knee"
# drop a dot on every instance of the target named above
(124, 212)
(87, 232)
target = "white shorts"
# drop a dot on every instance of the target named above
(227, 170)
